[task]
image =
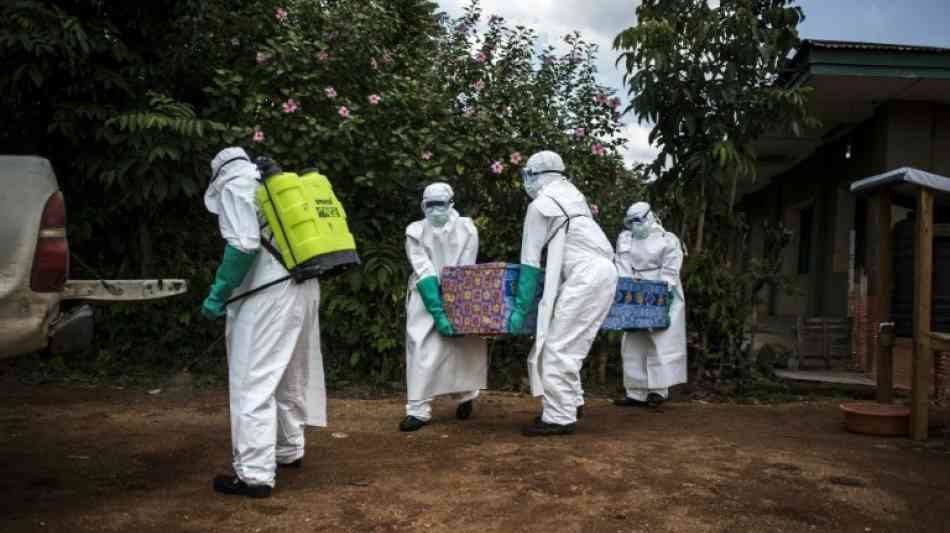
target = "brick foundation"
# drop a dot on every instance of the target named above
(857, 310)
(942, 375)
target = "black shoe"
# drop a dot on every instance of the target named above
(411, 423)
(543, 429)
(234, 486)
(654, 400)
(464, 410)
(630, 402)
(294, 464)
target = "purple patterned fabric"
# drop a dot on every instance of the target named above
(478, 299)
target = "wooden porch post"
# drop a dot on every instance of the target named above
(923, 278)
(885, 359)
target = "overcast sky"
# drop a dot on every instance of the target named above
(925, 22)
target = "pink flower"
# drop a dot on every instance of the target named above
(478, 85)
(614, 102)
(258, 135)
(515, 158)
(579, 132)
(481, 57)
(291, 106)
(280, 14)
(343, 112)
(323, 57)
(497, 167)
(330, 92)
(601, 99)
(598, 149)
(594, 210)
(427, 155)
(374, 99)
(261, 58)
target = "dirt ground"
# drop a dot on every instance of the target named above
(109, 460)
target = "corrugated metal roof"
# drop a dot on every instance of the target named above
(875, 47)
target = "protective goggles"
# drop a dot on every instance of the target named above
(527, 174)
(436, 203)
(640, 219)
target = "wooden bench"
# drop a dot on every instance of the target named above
(824, 342)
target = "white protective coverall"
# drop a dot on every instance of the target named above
(275, 367)
(653, 361)
(579, 285)
(436, 364)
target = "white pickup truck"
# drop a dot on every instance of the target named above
(40, 307)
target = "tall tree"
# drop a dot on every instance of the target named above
(711, 81)
(707, 77)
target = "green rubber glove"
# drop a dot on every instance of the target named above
(234, 266)
(431, 297)
(524, 296)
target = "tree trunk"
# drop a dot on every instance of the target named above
(732, 191)
(701, 225)
(147, 257)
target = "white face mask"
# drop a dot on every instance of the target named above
(640, 230)
(532, 187)
(438, 215)
(533, 183)
(437, 219)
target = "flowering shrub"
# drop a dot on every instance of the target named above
(460, 105)
(382, 97)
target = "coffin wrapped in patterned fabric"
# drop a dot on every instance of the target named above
(478, 299)
(639, 304)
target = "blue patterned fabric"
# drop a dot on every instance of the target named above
(639, 305)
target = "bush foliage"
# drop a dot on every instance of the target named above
(129, 100)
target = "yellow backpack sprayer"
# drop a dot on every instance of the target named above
(307, 222)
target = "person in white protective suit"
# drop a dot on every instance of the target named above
(275, 367)
(580, 280)
(437, 362)
(653, 361)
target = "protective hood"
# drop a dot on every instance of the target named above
(230, 196)
(437, 202)
(542, 169)
(230, 167)
(641, 221)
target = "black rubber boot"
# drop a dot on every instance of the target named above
(411, 423)
(233, 485)
(543, 429)
(294, 464)
(464, 410)
(654, 400)
(630, 402)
